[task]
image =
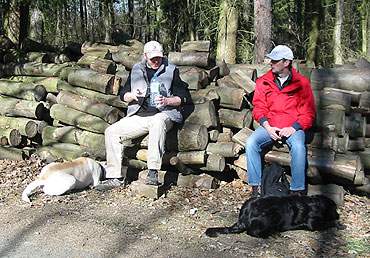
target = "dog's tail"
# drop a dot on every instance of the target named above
(236, 228)
(30, 188)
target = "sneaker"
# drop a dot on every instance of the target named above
(256, 191)
(110, 184)
(152, 177)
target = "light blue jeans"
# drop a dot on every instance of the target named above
(259, 140)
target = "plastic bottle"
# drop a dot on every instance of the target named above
(154, 91)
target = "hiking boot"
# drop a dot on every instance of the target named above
(256, 191)
(297, 193)
(152, 177)
(110, 184)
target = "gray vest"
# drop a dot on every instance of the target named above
(139, 81)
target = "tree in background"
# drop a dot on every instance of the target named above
(337, 35)
(262, 29)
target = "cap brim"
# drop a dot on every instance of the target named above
(273, 57)
(153, 54)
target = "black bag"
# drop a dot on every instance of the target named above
(274, 181)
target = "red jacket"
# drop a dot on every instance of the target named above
(283, 108)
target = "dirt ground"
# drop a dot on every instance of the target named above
(116, 223)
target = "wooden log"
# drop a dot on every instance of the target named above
(344, 166)
(122, 73)
(180, 166)
(87, 59)
(63, 75)
(77, 118)
(224, 68)
(365, 188)
(357, 144)
(89, 46)
(103, 66)
(203, 181)
(214, 73)
(324, 140)
(65, 151)
(333, 117)
(332, 191)
(142, 155)
(242, 173)
(365, 158)
(93, 95)
(149, 191)
(225, 149)
(84, 104)
(213, 135)
(195, 78)
(25, 126)
(231, 97)
(332, 96)
(236, 119)
(343, 143)
(10, 136)
(207, 94)
(355, 125)
(11, 153)
(50, 100)
(128, 55)
(192, 137)
(26, 91)
(19, 107)
(346, 79)
(204, 113)
(241, 136)
(69, 134)
(36, 69)
(200, 59)
(196, 46)
(365, 100)
(86, 78)
(137, 164)
(40, 125)
(215, 162)
(192, 157)
(225, 136)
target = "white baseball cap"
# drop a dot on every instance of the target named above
(153, 49)
(281, 52)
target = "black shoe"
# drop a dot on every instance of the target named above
(152, 177)
(297, 193)
(110, 184)
(256, 191)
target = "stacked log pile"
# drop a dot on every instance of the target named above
(78, 101)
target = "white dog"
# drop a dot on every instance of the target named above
(58, 178)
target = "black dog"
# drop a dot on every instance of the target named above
(262, 217)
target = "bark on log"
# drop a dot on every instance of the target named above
(192, 137)
(236, 119)
(365, 100)
(198, 181)
(213, 135)
(192, 157)
(50, 83)
(84, 104)
(343, 143)
(355, 125)
(329, 118)
(68, 134)
(215, 162)
(332, 96)
(196, 46)
(365, 188)
(207, 94)
(180, 166)
(36, 69)
(225, 137)
(225, 149)
(138, 164)
(357, 144)
(204, 113)
(40, 125)
(25, 126)
(11, 153)
(346, 79)
(122, 73)
(18, 107)
(26, 91)
(10, 136)
(195, 78)
(93, 95)
(230, 97)
(332, 191)
(104, 66)
(77, 118)
(63, 75)
(142, 155)
(324, 141)
(241, 136)
(89, 46)
(92, 80)
(365, 158)
(89, 58)
(200, 59)
(65, 151)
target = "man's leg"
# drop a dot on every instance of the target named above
(296, 143)
(125, 129)
(159, 125)
(253, 148)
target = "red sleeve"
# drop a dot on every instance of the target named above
(259, 102)
(306, 107)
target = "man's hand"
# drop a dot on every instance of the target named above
(131, 96)
(287, 131)
(170, 101)
(272, 131)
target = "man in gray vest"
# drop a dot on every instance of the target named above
(154, 93)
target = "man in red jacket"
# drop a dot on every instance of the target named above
(284, 106)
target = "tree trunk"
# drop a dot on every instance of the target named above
(337, 36)
(262, 29)
(108, 16)
(227, 31)
(77, 118)
(36, 25)
(84, 104)
(365, 27)
(313, 11)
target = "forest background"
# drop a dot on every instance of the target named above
(322, 32)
